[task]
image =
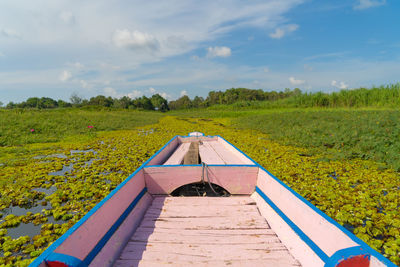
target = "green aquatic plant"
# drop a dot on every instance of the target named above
(359, 194)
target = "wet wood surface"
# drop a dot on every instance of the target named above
(196, 231)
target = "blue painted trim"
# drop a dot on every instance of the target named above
(158, 152)
(365, 246)
(344, 254)
(357, 240)
(70, 261)
(295, 228)
(70, 231)
(113, 228)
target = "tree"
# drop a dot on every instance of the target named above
(183, 102)
(11, 105)
(143, 103)
(198, 102)
(101, 100)
(63, 104)
(159, 103)
(75, 99)
(32, 102)
(1, 104)
(46, 102)
(123, 102)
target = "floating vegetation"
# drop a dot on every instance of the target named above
(42, 197)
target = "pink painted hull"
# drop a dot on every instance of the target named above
(263, 223)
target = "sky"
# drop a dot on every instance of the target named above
(183, 47)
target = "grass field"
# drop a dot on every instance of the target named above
(328, 156)
(19, 126)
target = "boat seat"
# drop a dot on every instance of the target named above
(177, 157)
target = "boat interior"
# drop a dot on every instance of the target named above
(201, 201)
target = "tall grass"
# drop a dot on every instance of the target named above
(383, 96)
(336, 134)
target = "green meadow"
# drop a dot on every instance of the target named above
(56, 164)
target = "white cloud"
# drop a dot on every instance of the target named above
(218, 51)
(364, 4)
(340, 85)
(135, 40)
(85, 84)
(10, 33)
(67, 17)
(77, 65)
(183, 92)
(2, 55)
(109, 91)
(65, 76)
(152, 90)
(293, 81)
(266, 69)
(166, 96)
(283, 30)
(135, 94)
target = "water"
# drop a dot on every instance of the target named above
(60, 156)
(47, 191)
(63, 171)
(18, 211)
(29, 229)
(151, 131)
(75, 151)
(333, 175)
(349, 227)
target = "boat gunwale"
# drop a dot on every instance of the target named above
(330, 261)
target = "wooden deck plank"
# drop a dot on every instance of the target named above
(211, 263)
(202, 232)
(205, 239)
(208, 154)
(227, 156)
(177, 157)
(202, 201)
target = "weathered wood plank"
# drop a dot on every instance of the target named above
(208, 154)
(217, 254)
(202, 201)
(200, 212)
(202, 232)
(206, 223)
(209, 232)
(208, 263)
(205, 239)
(210, 247)
(227, 156)
(177, 157)
(192, 156)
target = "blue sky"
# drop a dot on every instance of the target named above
(176, 47)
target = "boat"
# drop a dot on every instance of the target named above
(201, 201)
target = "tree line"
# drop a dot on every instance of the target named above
(240, 97)
(155, 102)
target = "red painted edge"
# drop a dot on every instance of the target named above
(356, 261)
(55, 264)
